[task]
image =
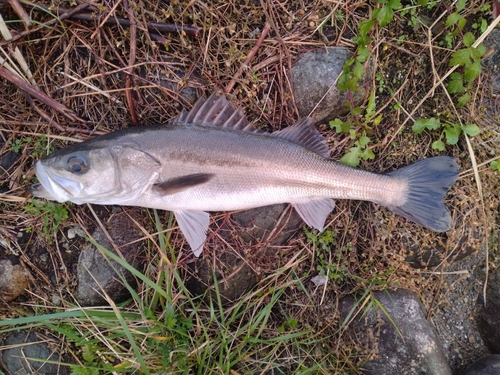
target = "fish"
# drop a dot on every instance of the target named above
(212, 158)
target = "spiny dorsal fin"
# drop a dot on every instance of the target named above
(216, 111)
(304, 133)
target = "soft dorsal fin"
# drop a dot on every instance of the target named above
(304, 133)
(216, 111)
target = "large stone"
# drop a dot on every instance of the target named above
(262, 229)
(401, 335)
(13, 279)
(28, 354)
(315, 75)
(489, 365)
(99, 276)
(489, 323)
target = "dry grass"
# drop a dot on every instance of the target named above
(90, 78)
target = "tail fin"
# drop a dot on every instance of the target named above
(428, 182)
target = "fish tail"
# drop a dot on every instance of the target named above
(428, 182)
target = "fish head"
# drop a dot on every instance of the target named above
(95, 173)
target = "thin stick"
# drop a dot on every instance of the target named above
(131, 62)
(250, 56)
(50, 23)
(37, 94)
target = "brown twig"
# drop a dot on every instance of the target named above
(21, 13)
(77, 14)
(37, 94)
(50, 23)
(131, 62)
(250, 56)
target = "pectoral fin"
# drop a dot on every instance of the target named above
(194, 226)
(178, 184)
(314, 213)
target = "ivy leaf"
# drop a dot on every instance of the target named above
(471, 129)
(461, 5)
(452, 133)
(352, 157)
(469, 39)
(426, 123)
(464, 99)
(438, 145)
(472, 71)
(460, 57)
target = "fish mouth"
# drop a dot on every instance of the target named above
(52, 186)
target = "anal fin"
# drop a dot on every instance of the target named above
(314, 212)
(194, 226)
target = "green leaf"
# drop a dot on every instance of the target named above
(395, 4)
(461, 5)
(478, 52)
(438, 145)
(363, 141)
(464, 99)
(452, 19)
(472, 71)
(495, 164)
(469, 39)
(368, 154)
(456, 84)
(352, 157)
(356, 111)
(366, 26)
(452, 133)
(471, 129)
(377, 120)
(359, 70)
(384, 15)
(460, 57)
(426, 123)
(363, 54)
(370, 108)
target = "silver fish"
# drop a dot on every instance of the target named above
(212, 159)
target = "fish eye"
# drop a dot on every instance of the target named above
(77, 164)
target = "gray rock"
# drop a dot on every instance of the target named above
(264, 227)
(489, 322)
(422, 256)
(13, 279)
(97, 275)
(406, 343)
(263, 224)
(230, 275)
(24, 345)
(489, 365)
(315, 74)
(7, 160)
